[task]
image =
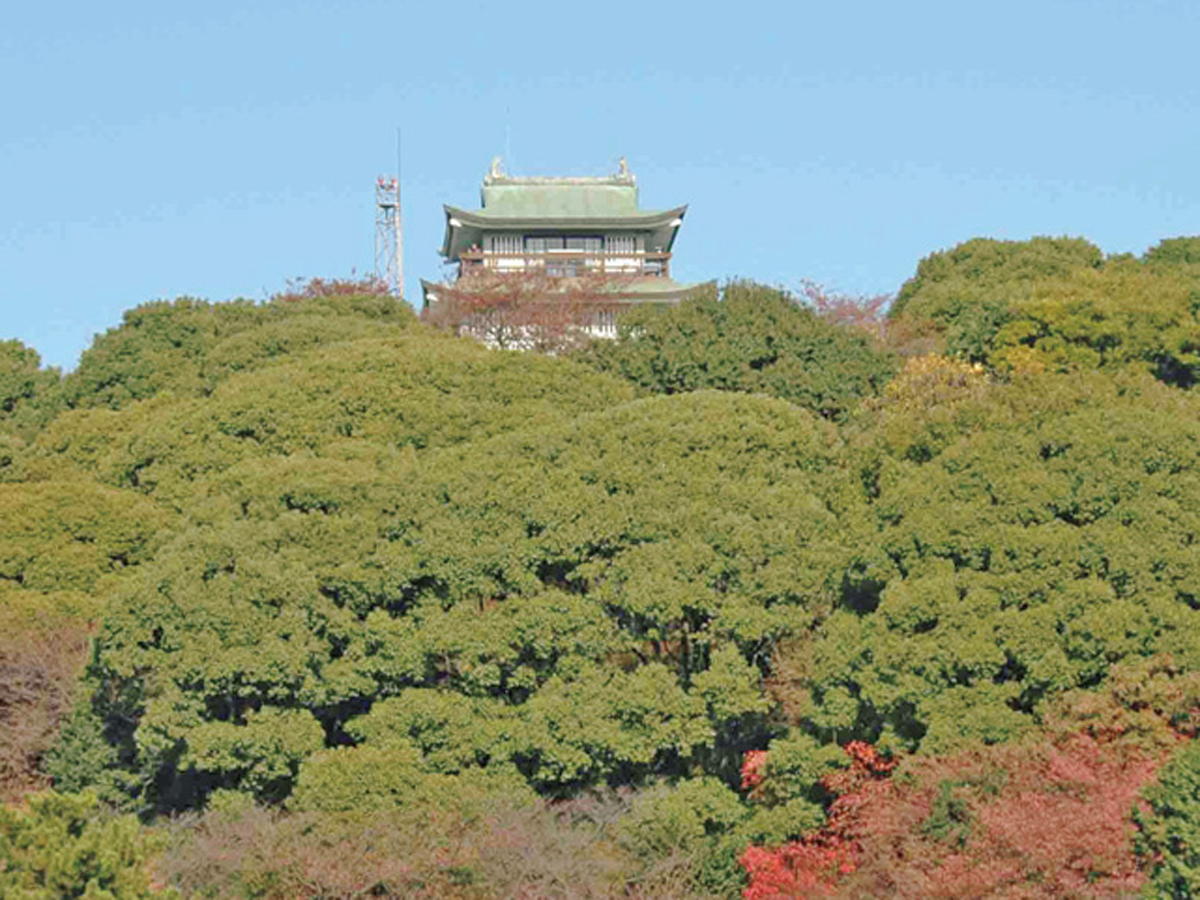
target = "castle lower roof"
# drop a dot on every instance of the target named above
(627, 292)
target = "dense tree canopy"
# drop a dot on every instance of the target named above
(1053, 535)
(1179, 251)
(1169, 833)
(572, 585)
(1059, 304)
(741, 600)
(366, 399)
(983, 264)
(186, 346)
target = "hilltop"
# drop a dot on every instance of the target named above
(761, 598)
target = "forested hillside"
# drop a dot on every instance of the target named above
(308, 599)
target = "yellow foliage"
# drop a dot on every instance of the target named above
(1020, 360)
(932, 380)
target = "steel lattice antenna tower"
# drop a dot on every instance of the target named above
(389, 236)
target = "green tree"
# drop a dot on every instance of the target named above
(1125, 314)
(753, 339)
(1058, 304)
(965, 294)
(30, 395)
(68, 535)
(187, 346)
(1178, 251)
(364, 400)
(983, 263)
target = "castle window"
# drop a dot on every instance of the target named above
(620, 243)
(502, 243)
(543, 243)
(586, 244)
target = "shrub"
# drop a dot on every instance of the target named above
(565, 851)
(697, 821)
(686, 816)
(43, 648)
(1168, 838)
(369, 779)
(62, 846)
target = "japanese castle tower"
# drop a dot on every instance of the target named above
(560, 233)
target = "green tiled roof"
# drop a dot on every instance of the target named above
(558, 199)
(566, 205)
(665, 286)
(633, 292)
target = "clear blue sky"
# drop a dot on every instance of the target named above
(150, 149)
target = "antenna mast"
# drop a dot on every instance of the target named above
(389, 236)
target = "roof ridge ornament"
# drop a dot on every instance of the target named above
(496, 174)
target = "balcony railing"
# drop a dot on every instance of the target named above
(566, 263)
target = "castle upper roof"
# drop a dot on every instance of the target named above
(570, 204)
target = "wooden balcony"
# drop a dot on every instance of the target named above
(566, 263)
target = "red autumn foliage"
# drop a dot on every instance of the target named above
(813, 866)
(754, 769)
(1016, 822)
(866, 765)
(808, 868)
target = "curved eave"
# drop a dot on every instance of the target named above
(429, 292)
(463, 226)
(675, 293)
